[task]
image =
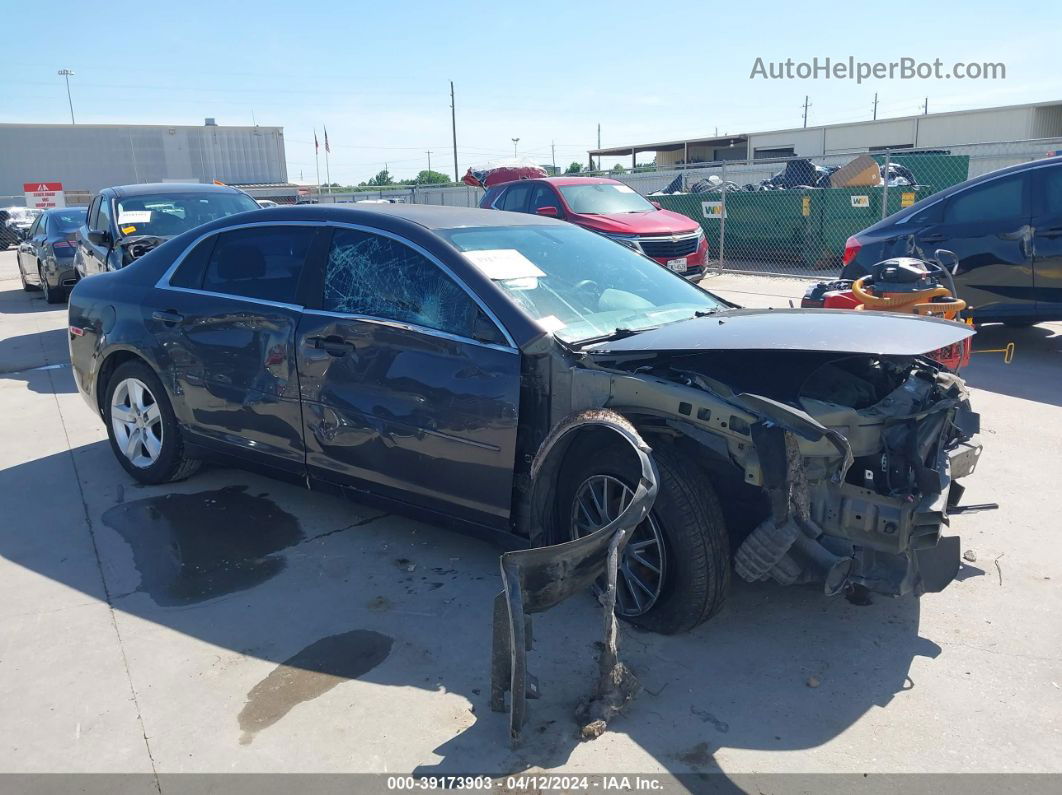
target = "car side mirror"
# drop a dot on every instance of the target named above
(99, 237)
(552, 212)
(656, 205)
(22, 234)
(948, 260)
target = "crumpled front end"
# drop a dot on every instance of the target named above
(856, 455)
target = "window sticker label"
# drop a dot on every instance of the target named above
(502, 264)
(134, 217)
(128, 230)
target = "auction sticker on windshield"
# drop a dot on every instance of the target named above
(503, 264)
(134, 217)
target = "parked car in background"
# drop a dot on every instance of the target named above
(126, 222)
(1006, 229)
(612, 209)
(16, 222)
(420, 356)
(46, 254)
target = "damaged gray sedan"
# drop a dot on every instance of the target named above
(420, 356)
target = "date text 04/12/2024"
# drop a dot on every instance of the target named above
(526, 782)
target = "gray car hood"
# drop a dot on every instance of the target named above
(828, 330)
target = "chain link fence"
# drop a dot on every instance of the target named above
(792, 216)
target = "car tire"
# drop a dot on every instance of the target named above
(696, 548)
(145, 437)
(29, 288)
(52, 295)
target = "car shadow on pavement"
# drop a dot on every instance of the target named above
(331, 591)
(1034, 374)
(24, 356)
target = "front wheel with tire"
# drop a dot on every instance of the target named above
(142, 427)
(675, 570)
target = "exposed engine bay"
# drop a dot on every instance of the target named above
(853, 457)
(136, 246)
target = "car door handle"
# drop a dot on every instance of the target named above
(1053, 232)
(334, 346)
(168, 316)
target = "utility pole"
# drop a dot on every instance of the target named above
(925, 108)
(875, 106)
(68, 73)
(515, 142)
(805, 110)
(453, 124)
(553, 154)
(429, 162)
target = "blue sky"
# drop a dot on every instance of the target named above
(377, 74)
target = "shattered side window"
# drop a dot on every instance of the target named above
(373, 275)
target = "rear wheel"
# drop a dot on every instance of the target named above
(676, 568)
(142, 428)
(53, 295)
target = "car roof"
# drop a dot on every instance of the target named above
(579, 181)
(51, 210)
(429, 216)
(155, 188)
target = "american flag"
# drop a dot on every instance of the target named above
(316, 146)
(327, 148)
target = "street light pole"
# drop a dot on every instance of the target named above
(68, 73)
(515, 142)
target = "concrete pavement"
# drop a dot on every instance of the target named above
(232, 623)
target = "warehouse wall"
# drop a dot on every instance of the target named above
(89, 157)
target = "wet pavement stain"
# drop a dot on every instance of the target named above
(311, 673)
(189, 548)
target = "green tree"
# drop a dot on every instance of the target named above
(574, 168)
(426, 177)
(618, 169)
(381, 179)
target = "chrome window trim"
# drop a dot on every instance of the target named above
(164, 281)
(412, 327)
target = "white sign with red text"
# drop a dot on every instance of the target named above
(44, 195)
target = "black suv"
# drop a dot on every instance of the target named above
(1006, 228)
(125, 222)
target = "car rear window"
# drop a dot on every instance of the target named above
(259, 262)
(998, 200)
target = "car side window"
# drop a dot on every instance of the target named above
(543, 196)
(1052, 190)
(379, 277)
(190, 272)
(262, 262)
(998, 200)
(93, 211)
(103, 220)
(38, 226)
(515, 199)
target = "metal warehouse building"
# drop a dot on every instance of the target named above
(87, 157)
(985, 125)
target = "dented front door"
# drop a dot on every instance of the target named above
(397, 395)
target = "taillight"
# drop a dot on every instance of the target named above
(851, 248)
(63, 244)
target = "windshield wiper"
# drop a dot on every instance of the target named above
(617, 334)
(704, 312)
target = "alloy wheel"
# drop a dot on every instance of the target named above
(137, 422)
(598, 501)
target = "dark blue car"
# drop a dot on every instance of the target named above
(46, 255)
(1005, 227)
